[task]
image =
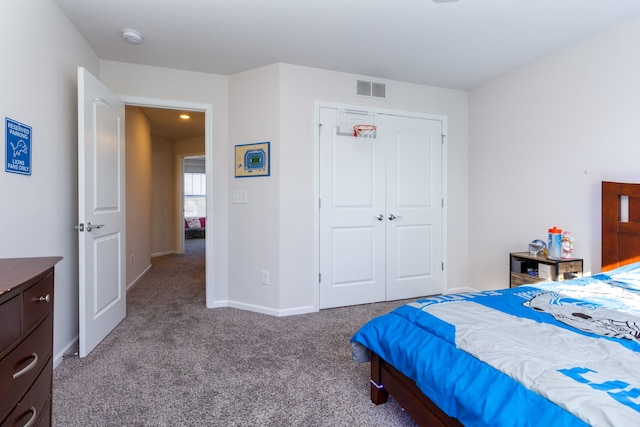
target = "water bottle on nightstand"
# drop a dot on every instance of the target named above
(555, 243)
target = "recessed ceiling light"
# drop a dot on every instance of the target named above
(132, 36)
(185, 116)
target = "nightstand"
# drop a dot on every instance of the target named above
(525, 268)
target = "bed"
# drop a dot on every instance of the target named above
(543, 354)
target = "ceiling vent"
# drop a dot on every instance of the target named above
(373, 89)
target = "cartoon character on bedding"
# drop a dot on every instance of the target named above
(587, 317)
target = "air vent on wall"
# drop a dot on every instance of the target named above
(373, 89)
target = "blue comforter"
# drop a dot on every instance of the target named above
(553, 353)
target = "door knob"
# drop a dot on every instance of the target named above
(380, 217)
(392, 217)
(90, 226)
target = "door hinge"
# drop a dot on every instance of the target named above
(319, 277)
(443, 266)
(442, 139)
(319, 203)
(442, 203)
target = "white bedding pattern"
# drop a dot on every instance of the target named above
(582, 370)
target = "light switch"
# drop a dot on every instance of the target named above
(239, 197)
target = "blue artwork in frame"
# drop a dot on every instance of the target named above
(252, 160)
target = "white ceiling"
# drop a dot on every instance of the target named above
(454, 44)
(166, 123)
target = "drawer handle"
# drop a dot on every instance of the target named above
(33, 418)
(27, 368)
(46, 298)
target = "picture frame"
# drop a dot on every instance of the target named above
(252, 160)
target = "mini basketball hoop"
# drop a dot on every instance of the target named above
(364, 133)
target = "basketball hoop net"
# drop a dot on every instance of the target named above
(364, 133)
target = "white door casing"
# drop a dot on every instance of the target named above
(381, 213)
(101, 211)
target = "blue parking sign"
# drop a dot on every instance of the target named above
(18, 149)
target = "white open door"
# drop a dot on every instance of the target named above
(101, 211)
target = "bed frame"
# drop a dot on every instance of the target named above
(386, 380)
(620, 246)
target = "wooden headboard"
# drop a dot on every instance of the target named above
(620, 227)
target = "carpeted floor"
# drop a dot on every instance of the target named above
(173, 362)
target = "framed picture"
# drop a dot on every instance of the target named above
(252, 160)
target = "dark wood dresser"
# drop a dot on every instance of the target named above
(26, 340)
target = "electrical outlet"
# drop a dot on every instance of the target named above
(264, 277)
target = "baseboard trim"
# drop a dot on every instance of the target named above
(157, 254)
(461, 290)
(297, 310)
(69, 348)
(137, 279)
(262, 309)
(218, 304)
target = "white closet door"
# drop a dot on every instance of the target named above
(352, 237)
(413, 206)
(380, 211)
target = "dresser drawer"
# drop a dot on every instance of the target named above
(25, 362)
(10, 322)
(35, 404)
(37, 301)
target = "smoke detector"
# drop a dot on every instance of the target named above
(132, 36)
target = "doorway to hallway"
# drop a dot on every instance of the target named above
(177, 225)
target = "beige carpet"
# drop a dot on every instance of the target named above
(173, 362)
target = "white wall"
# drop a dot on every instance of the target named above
(189, 147)
(540, 141)
(39, 89)
(164, 204)
(41, 51)
(542, 138)
(138, 192)
(277, 103)
(274, 231)
(301, 87)
(254, 227)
